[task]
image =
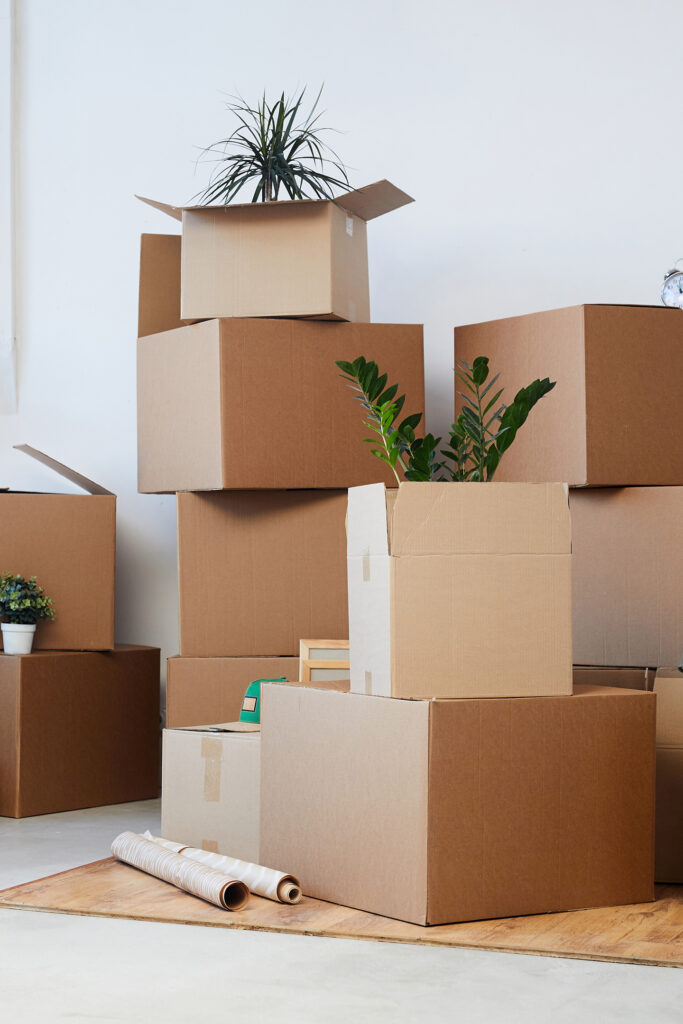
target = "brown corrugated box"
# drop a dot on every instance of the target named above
(78, 729)
(453, 810)
(159, 294)
(457, 590)
(627, 569)
(246, 404)
(613, 417)
(304, 257)
(258, 570)
(68, 541)
(210, 791)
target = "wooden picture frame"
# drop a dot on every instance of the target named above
(321, 660)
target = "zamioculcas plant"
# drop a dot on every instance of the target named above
(280, 148)
(481, 434)
(22, 604)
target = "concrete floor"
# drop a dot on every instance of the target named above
(58, 968)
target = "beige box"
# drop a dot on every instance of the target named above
(454, 810)
(303, 257)
(627, 571)
(247, 404)
(68, 541)
(459, 590)
(613, 418)
(210, 788)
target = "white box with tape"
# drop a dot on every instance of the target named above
(210, 788)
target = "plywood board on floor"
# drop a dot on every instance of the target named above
(646, 933)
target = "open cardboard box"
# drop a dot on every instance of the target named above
(293, 258)
(68, 541)
(246, 404)
(78, 729)
(627, 558)
(460, 590)
(437, 811)
(613, 418)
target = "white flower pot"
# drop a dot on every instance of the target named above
(16, 638)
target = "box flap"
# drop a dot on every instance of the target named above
(470, 518)
(221, 727)
(373, 200)
(366, 521)
(173, 211)
(669, 692)
(87, 485)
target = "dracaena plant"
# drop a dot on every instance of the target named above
(22, 601)
(280, 148)
(481, 434)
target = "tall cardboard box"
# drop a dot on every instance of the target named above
(78, 729)
(454, 810)
(460, 590)
(627, 571)
(209, 690)
(247, 404)
(258, 570)
(613, 417)
(68, 541)
(303, 257)
(210, 791)
(668, 687)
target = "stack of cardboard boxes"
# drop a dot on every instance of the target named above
(79, 717)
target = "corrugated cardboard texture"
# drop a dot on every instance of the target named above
(528, 806)
(159, 301)
(600, 426)
(258, 570)
(474, 599)
(210, 792)
(552, 808)
(78, 729)
(248, 404)
(627, 569)
(205, 690)
(344, 797)
(68, 541)
(669, 828)
(626, 678)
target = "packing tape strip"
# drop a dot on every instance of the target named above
(212, 752)
(368, 683)
(366, 568)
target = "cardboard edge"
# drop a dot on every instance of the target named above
(172, 211)
(84, 482)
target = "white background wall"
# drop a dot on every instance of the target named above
(541, 141)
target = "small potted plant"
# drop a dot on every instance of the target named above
(22, 604)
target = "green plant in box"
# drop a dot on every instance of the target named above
(481, 434)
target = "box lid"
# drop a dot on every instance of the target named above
(87, 485)
(367, 203)
(450, 518)
(669, 691)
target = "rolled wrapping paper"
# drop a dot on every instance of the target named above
(274, 885)
(189, 875)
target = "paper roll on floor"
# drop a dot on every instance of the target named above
(274, 885)
(198, 879)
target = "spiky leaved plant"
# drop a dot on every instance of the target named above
(279, 147)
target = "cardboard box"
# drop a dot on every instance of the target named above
(69, 542)
(260, 569)
(78, 729)
(441, 811)
(210, 791)
(247, 404)
(159, 294)
(201, 690)
(460, 590)
(306, 257)
(626, 678)
(613, 417)
(627, 570)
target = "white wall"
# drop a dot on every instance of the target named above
(541, 141)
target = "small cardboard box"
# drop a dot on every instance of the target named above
(68, 541)
(613, 418)
(627, 571)
(460, 590)
(210, 789)
(260, 569)
(78, 729)
(159, 294)
(201, 690)
(455, 810)
(303, 257)
(248, 404)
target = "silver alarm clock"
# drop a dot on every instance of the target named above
(672, 289)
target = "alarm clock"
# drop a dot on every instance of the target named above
(672, 289)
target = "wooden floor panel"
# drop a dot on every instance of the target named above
(647, 933)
